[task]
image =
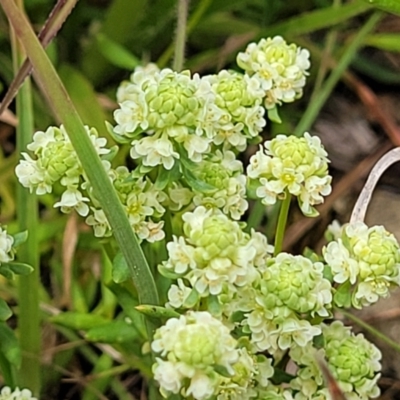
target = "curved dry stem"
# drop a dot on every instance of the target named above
(360, 208)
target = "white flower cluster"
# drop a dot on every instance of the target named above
(198, 358)
(179, 113)
(7, 394)
(7, 250)
(223, 172)
(365, 260)
(215, 256)
(279, 67)
(57, 161)
(291, 165)
(141, 201)
(291, 291)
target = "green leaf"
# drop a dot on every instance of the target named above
(79, 321)
(222, 370)
(342, 297)
(120, 269)
(192, 299)
(197, 184)
(128, 303)
(213, 305)
(157, 311)
(112, 332)
(392, 6)
(19, 238)
(6, 271)
(165, 177)
(20, 268)
(9, 344)
(117, 137)
(5, 311)
(273, 115)
(116, 53)
(281, 377)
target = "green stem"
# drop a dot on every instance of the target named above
(315, 106)
(370, 329)
(280, 229)
(66, 113)
(27, 214)
(193, 21)
(180, 39)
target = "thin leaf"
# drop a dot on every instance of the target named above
(157, 311)
(113, 332)
(116, 53)
(79, 321)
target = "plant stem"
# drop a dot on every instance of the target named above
(193, 21)
(28, 252)
(104, 191)
(280, 229)
(180, 39)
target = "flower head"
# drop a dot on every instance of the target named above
(298, 166)
(190, 349)
(280, 68)
(368, 259)
(353, 360)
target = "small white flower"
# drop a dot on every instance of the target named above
(72, 199)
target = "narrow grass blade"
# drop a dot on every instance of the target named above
(66, 113)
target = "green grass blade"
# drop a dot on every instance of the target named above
(91, 163)
(28, 252)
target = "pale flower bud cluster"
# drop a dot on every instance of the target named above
(142, 203)
(56, 161)
(212, 257)
(291, 165)
(170, 116)
(198, 358)
(353, 361)
(291, 291)
(366, 261)
(281, 69)
(7, 251)
(7, 394)
(227, 191)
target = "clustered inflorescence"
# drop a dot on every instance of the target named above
(253, 323)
